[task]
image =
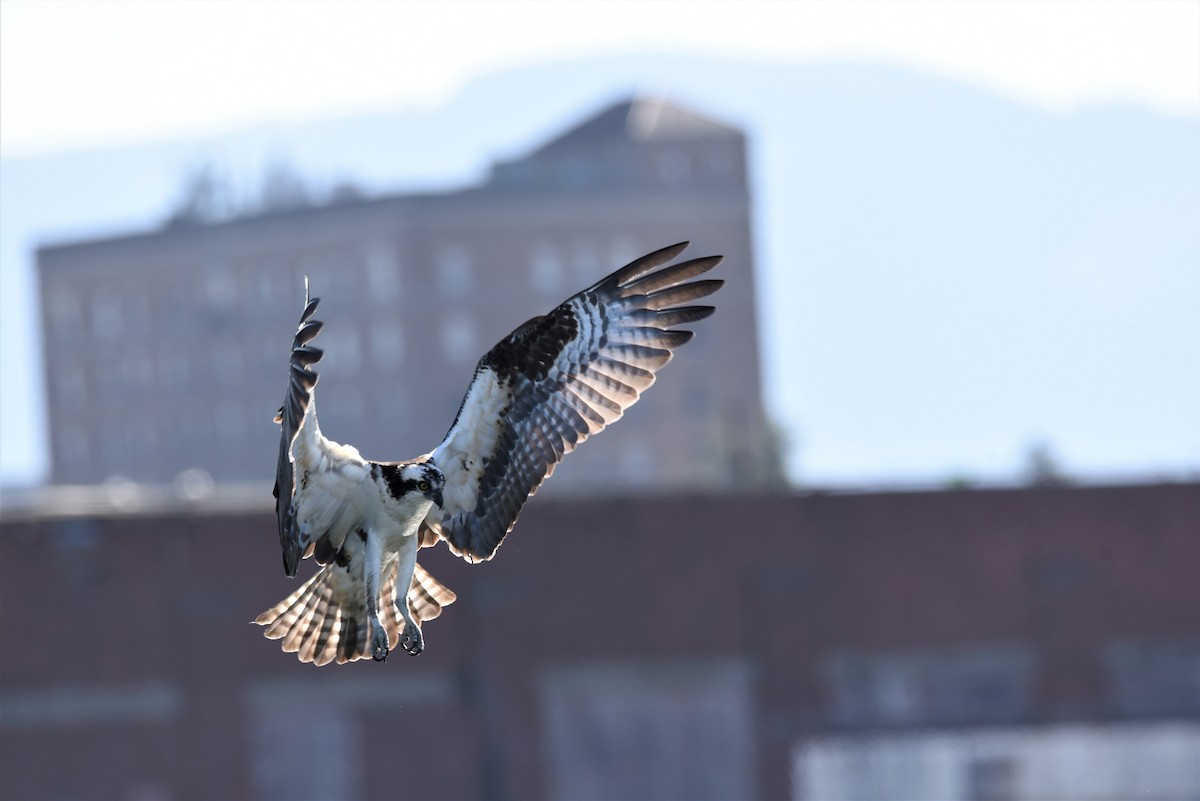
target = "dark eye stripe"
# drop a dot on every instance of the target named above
(398, 486)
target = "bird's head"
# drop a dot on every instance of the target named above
(430, 481)
(409, 479)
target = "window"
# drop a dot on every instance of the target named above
(1001, 763)
(674, 168)
(343, 353)
(981, 683)
(637, 464)
(1155, 678)
(292, 719)
(72, 445)
(578, 173)
(70, 385)
(585, 262)
(220, 287)
(991, 779)
(383, 271)
(175, 368)
(100, 705)
(118, 448)
(391, 402)
(137, 371)
(546, 269)
(698, 400)
(333, 277)
(458, 339)
(231, 421)
(62, 310)
(139, 320)
(720, 162)
(229, 366)
(61, 305)
(107, 323)
(387, 342)
(453, 271)
(266, 353)
(623, 250)
(673, 730)
(284, 741)
(350, 407)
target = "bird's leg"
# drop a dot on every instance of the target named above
(372, 559)
(411, 639)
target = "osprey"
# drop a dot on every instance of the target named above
(540, 392)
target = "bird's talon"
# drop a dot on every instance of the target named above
(379, 645)
(412, 640)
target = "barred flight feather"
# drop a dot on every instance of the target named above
(570, 374)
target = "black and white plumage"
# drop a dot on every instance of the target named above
(540, 392)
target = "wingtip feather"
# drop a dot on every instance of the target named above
(639, 267)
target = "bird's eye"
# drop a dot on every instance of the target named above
(423, 486)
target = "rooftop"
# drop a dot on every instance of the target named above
(639, 119)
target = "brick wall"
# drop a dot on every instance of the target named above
(129, 668)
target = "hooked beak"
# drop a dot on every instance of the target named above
(437, 498)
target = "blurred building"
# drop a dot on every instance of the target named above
(166, 351)
(998, 644)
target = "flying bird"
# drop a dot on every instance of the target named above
(540, 392)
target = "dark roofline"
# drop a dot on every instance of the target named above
(636, 119)
(640, 118)
(254, 220)
(131, 499)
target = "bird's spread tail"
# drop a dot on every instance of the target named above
(320, 623)
(315, 626)
(427, 595)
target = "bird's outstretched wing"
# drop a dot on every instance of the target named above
(551, 384)
(301, 381)
(316, 481)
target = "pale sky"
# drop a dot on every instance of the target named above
(94, 73)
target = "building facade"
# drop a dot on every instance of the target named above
(966, 645)
(166, 351)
